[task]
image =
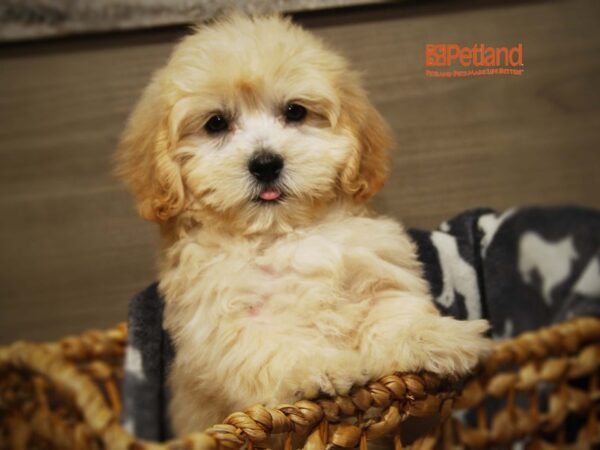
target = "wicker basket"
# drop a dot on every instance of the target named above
(65, 395)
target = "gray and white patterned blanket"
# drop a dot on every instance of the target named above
(522, 269)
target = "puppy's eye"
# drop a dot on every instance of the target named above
(295, 112)
(216, 124)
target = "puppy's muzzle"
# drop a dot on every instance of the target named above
(265, 166)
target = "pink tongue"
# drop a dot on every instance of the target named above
(270, 194)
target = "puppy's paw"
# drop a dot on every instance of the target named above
(333, 376)
(444, 345)
(347, 373)
(312, 385)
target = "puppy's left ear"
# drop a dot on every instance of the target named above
(369, 165)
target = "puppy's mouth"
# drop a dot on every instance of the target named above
(270, 194)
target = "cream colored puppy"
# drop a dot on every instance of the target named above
(255, 149)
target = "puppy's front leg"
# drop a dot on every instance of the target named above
(322, 369)
(404, 332)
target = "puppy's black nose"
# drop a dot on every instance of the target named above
(265, 166)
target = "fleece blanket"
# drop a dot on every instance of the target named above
(521, 269)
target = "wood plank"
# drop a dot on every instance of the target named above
(33, 19)
(73, 251)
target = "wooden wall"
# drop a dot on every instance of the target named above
(72, 249)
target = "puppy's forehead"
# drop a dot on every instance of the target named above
(253, 59)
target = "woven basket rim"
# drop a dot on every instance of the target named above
(420, 393)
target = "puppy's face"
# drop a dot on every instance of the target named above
(253, 125)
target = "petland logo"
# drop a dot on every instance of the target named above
(474, 61)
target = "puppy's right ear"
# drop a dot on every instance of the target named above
(144, 159)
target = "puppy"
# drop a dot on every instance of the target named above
(255, 149)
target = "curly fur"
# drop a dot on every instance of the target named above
(272, 302)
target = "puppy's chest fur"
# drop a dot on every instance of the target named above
(314, 280)
(247, 311)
